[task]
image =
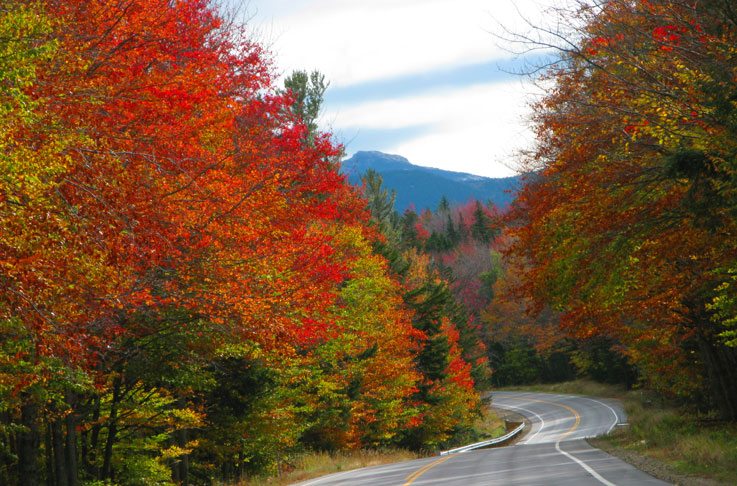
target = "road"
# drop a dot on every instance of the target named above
(553, 452)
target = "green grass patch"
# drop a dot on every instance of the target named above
(489, 426)
(687, 443)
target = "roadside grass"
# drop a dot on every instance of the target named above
(488, 426)
(577, 387)
(689, 444)
(315, 464)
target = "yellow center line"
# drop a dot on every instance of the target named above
(410, 479)
(575, 414)
(581, 463)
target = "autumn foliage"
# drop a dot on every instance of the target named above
(189, 288)
(627, 223)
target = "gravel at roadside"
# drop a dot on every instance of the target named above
(652, 466)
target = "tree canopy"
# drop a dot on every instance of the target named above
(627, 225)
(191, 291)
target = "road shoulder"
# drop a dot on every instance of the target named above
(651, 466)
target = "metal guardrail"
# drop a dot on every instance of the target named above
(485, 443)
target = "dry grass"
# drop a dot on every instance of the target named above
(688, 444)
(317, 464)
(578, 387)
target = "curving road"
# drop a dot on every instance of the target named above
(553, 452)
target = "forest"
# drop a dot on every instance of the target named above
(192, 293)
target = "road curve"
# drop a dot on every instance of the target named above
(553, 452)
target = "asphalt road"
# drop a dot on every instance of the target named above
(553, 452)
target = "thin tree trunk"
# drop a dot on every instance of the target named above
(183, 463)
(175, 470)
(728, 356)
(90, 459)
(240, 466)
(71, 443)
(13, 446)
(59, 453)
(112, 430)
(28, 442)
(84, 449)
(50, 478)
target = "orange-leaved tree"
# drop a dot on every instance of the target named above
(629, 210)
(159, 196)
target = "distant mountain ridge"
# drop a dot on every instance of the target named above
(423, 187)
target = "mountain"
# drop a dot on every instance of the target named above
(424, 186)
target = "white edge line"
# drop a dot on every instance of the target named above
(588, 468)
(614, 412)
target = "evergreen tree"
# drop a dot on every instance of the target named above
(454, 236)
(429, 303)
(443, 205)
(481, 228)
(308, 91)
(381, 202)
(408, 224)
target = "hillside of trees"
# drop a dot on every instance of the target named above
(422, 188)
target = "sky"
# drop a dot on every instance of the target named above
(424, 79)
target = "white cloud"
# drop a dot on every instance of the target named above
(353, 41)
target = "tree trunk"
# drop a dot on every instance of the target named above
(59, 453)
(84, 449)
(175, 469)
(50, 478)
(71, 443)
(28, 442)
(239, 467)
(89, 457)
(180, 469)
(112, 430)
(183, 464)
